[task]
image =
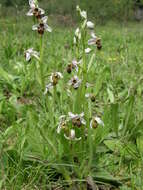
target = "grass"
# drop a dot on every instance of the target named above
(32, 154)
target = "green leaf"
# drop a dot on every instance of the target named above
(10, 131)
(129, 111)
(114, 145)
(139, 142)
(137, 130)
(4, 75)
(1, 183)
(115, 117)
(111, 95)
(105, 177)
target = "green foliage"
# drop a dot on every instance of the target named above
(101, 10)
(13, 2)
(32, 154)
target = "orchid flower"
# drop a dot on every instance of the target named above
(75, 82)
(73, 65)
(95, 41)
(35, 10)
(91, 96)
(42, 26)
(62, 123)
(31, 53)
(95, 122)
(77, 119)
(55, 77)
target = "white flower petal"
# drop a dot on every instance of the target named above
(87, 95)
(30, 12)
(51, 78)
(83, 121)
(76, 78)
(68, 138)
(82, 114)
(99, 121)
(79, 36)
(48, 87)
(83, 14)
(76, 68)
(74, 40)
(78, 8)
(72, 134)
(59, 129)
(47, 28)
(88, 50)
(91, 42)
(44, 19)
(74, 62)
(36, 55)
(90, 25)
(59, 74)
(76, 85)
(71, 115)
(42, 12)
(62, 117)
(93, 35)
(61, 122)
(30, 50)
(91, 123)
(35, 27)
(28, 56)
(77, 32)
(32, 4)
(77, 139)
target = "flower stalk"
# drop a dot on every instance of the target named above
(42, 78)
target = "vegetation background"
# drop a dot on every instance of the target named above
(100, 9)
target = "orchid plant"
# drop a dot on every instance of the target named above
(41, 28)
(76, 126)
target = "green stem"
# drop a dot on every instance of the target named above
(42, 81)
(54, 103)
(84, 70)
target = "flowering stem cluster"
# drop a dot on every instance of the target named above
(76, 125)
(41, 28)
